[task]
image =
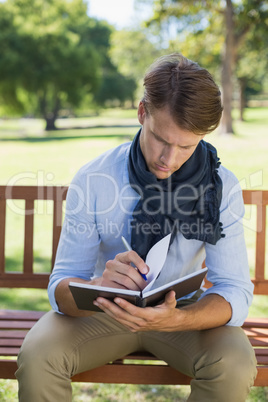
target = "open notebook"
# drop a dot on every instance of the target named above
(85, 294)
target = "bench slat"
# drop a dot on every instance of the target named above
(259, 322)
(254, 332)
(28, 237)
(8, 334)
(57, 223)
(2, 235)
(33, 192)
(21, 315)
(9, 351)
(8, 368)
(258, 342)
(11, 342)
(260, 243)
(139, 374)
(19, 280)
(8, 324)
(261, 351)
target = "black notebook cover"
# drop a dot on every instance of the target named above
(85, 294)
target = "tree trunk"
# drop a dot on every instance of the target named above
(50, 122)
(51, 117)
(226, 126)
(242, 98)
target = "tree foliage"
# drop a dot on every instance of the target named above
(52, 54)
(204, 24)
(132, 52)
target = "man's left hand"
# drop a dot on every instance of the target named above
(158, 318)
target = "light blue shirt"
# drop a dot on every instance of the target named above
(98, 212)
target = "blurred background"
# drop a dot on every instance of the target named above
(71, 74)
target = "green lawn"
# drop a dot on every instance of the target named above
(30, 156)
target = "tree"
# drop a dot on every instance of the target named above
(52, 51)
(237, 19)
(115, 88)
(132, 52)
(252, 66)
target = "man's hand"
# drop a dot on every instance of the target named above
(120, 273)
(210, 312)
(158, 318)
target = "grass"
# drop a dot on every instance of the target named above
(31, 156)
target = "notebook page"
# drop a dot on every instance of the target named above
(155, 260)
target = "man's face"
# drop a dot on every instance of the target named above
(164, 145)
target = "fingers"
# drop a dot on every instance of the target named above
(132, 257)
(170, 300)
(122, 315)
(140, 319)
(120, 273)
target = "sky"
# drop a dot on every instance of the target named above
(120, 13)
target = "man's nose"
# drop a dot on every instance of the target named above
(168, 156)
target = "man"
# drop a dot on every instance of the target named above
(168, 180)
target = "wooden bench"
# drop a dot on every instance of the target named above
(132, 369)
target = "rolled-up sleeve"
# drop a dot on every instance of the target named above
(79, 241)
(227, 261)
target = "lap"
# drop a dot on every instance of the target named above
(81, 343)
(187, 351)
(93, 341)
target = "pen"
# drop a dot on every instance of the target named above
(128, 248)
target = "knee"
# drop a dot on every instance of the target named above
(41, 353)
(230, 357)
(32, 356)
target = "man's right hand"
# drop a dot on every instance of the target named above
(120, 272)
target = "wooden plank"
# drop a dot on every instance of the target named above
(28, 237)
(260, 287)
(255, 197)
(33, 192)
(260, 243)
(262, 377)
(10, 342)
(2, 234)
(57, 223)
(259, 341)
(13, 334)
(19, 280)
(21, 314)
(262, 360)
(133, 374)
(140, 356)
(256, 322)
(261, 351)
(255, 332)
(9, 351)
(8, 368)
(7, 324)
(127, 375)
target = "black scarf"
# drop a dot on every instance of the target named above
(188, 201)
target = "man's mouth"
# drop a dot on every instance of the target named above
(162, 168)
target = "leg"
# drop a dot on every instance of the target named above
(58, 347)
(220, 360)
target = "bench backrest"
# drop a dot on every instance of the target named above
(29, 279)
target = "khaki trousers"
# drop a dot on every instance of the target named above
(221, 361)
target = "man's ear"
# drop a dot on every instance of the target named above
(141, 113)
